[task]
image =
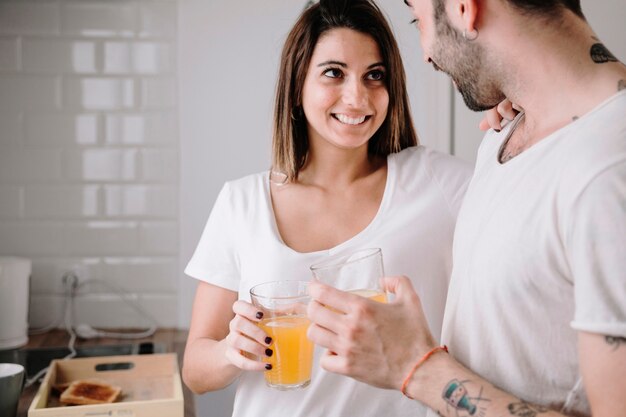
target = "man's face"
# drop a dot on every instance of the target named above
(465, 61)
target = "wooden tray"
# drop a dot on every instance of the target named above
(151, 386)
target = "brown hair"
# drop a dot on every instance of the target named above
(549, 8)
(545, 8)
(290, 143)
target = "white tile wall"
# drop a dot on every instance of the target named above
(57, 56)
(138, 57)
(10, 201)
(21, 165)
(89, 153)
(61, 128)
(155, 19)
(159, 237)
(99, 93)
(148, 128)
(101, 164)
(31, 239)
(11, 122)
(60, 201)
(141, 200)
(158, 92)
(29, 17)
(100, 18)
(29, 92)
(101, 237)
(8, 54)
(159, 165)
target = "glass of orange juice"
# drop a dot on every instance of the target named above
(283, 304)
(357, 272)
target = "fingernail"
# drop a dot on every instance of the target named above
(268, 366)
(269, 352)
(497, 130)
(268, 340)
(259, 314)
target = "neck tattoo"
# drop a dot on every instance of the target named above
(600, 54)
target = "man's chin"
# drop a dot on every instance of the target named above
(473, 104)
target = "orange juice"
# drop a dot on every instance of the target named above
(375, 295)
(293, 352)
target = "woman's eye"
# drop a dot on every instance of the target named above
(376, 75)
(332, 73)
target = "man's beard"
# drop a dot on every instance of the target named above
(465, 62)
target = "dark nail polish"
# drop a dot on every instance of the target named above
(259, 314)
(268, 366)
(498, 130)
(269, 352)
(268, 340)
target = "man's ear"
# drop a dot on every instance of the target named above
(467, 13)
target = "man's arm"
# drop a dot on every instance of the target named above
(379, 343)
(603, 366)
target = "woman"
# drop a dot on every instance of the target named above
(346, 174)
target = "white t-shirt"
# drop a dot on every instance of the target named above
(539, 254)
(241, 247)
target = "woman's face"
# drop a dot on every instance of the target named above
(345, 97)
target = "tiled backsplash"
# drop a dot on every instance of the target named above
(89, 153)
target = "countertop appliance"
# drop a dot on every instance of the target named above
(14, 283)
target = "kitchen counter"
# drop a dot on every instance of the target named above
(173, 340)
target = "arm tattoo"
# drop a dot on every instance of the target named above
(615, 341)
(600, 55)
(621, 85)
(455, 394)
(523, 409)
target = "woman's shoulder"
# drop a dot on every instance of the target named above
(245, 191)
(249, 181)
(434, 162)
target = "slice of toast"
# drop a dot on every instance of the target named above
(82, 392)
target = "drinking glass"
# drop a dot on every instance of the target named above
(12, 378)
(357, 272)
(283, 304)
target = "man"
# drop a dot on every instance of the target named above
(535, 319)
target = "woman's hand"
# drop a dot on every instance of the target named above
(246, 341)
(493, 117)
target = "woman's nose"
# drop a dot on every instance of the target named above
(355, 93)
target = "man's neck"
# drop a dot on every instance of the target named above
(557, 76)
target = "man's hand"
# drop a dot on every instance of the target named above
(503, 111)
(373, 342)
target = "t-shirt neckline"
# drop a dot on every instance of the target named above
(391, 169)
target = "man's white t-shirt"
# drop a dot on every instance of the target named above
(539, 255)
(241, 247)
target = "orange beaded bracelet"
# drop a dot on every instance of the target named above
(417, 365)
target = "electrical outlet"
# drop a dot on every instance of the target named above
(70, 281)
(77, 274)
